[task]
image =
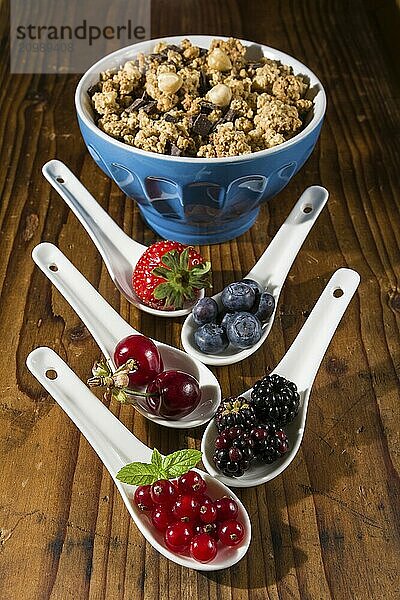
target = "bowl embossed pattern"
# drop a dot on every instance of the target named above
(198, 200)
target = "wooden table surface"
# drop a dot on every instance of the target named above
(329, 526)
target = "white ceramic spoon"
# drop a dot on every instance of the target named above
(108, 328)
(270, 271)
(119, 252)
(300, 365)
(116, 446)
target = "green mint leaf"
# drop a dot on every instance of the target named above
(180, 462)
(156, 459)
(137, 473)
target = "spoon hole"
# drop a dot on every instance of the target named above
(60, 180)
(53, 267)
(307, 208)
(338, 292)
(51, 374)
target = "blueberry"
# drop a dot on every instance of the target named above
(205, 311)
(226, 319)
(257, 287)
(238, 296)
(211, 338)
(266, 307)
(244, 330)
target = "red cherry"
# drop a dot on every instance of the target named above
(191, 482)
(174, 394)
(203, 548)
(163, 492)
(186, 507)
(161, 517)
(143, 498)
(178, 536)
(231, 533)
(145, 353)
(227, 508)
(208, 512)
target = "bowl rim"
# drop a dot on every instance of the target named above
(273, 53)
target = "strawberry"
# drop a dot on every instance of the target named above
(168, 274)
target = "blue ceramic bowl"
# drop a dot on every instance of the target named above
(198, 200)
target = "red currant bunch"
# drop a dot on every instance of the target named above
(192, 523)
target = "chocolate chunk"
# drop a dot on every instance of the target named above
(175, 151)
(254, 53)
(96, 116)
(203, 84)
(150, 107)
(157, 57)
(136, 104)
(215, 125)
(230, 115)
(201, 125)
(174, 48)
(171, 118)
(255, 65)
(203, 51)
(207, 107)
(94, 89)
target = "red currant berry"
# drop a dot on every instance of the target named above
(178, 536)
(163, 492)
(208, 512)
(173, 394)
(191, 482)
(145, 353)
(231, 533)
(203, 548)
(161, 517)
(186, 507)
(227, 508)
(143, 498)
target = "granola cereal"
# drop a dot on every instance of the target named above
(188, 101)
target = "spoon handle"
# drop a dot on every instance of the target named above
(108, 238)
(301, 362)
(103, 322)
(284, 247)
(112, 441)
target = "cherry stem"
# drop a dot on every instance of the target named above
(142, 394)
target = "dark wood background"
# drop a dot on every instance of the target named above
(329, 526)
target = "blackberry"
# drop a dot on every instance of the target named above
(270, 442)
(233, 452)
(235, 412)
(275, 400)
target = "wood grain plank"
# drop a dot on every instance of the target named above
(318, 529)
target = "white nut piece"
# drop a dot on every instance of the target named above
(220, 95)
(169, 82)
(219, 60)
